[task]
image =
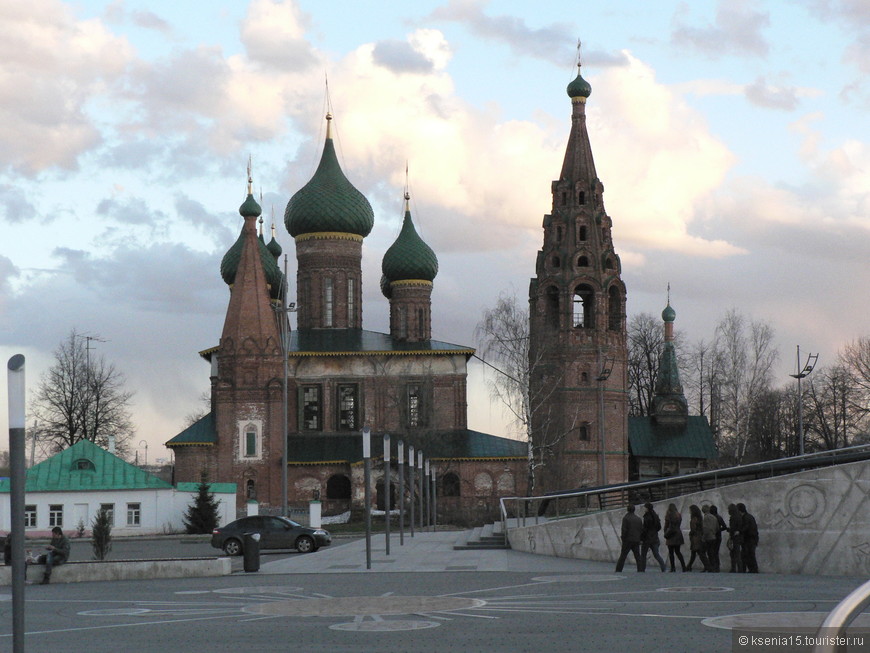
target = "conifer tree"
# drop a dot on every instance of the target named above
(202, 514)
(101, 535)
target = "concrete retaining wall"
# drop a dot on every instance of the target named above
(79, 572)
(813, 522)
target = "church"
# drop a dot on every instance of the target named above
(324, 381)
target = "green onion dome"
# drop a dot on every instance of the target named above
(669, 314)
(579, 87)
(250, 207)
(274, 248)
(329, 202)
(230, 265)
(409, 257)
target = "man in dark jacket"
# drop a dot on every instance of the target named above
(750, 539)
(735, 530)
(58, 553)
(713, 556)
(632, 526)
(649, 537)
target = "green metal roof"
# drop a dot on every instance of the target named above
(409, 257)
(315, 342)
(329, 202)
(230, 265)
(579, 87)
(201, 432)
(105, 471)
(457, 444)
(217, 488)
(648, 439)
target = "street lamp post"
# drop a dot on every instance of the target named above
(420, 474)
(606, 369)
(428, 498)
(812, 359)
(411, 486)
(144, 443)
(400, 462)
(367, 475)
(387, 490)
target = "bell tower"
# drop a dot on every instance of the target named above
(577, 350)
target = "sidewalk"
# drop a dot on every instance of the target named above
(425, 552)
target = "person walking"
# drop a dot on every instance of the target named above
(632, 526)
(649, 538)
(709, 527)
(696, 541)
(735, 539)
(674, 536)
(717, 545)
(750, 539)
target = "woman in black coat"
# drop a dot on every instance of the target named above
(696, 540)
(674, 536)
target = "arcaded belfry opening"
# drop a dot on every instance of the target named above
(584, 313)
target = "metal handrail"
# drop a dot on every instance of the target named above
(720, 477)
(840, 617)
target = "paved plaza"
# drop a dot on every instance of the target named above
(424, 596)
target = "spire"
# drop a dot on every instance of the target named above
(579, 167)
(669, 404)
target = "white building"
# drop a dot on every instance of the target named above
(71, 487)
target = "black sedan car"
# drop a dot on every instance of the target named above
(275, 533)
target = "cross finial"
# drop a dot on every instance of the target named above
(250, 178)
(669, 293)
(579, 57)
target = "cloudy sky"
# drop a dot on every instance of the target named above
(731, 137)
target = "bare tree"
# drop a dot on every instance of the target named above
(82, 397)
(835, 406)
(746, 354)
(503, 339)
(645, 341)
(855, 359)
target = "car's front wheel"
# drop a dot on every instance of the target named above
(232, 547)
(304, 544)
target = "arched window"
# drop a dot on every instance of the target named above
(84, 465)
(251, 489)
(338, 487)
(250, 448)
(581, 233)
(556, 262)
(583, 432)
(351, 302)
(583, 307)
(564, 198)
(581, 197)
(327, 302)
(552, 307)
(608, 263)
(582, 262)
(614, 309)
(448, 485)
(558, 234)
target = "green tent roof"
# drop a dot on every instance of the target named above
(651, 440)
(458, 444)
(313, 342)
(84, 467)
(201, 432)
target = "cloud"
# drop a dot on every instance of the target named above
(130, 211)
(273, 34)
(765, 95)
(53, 64)
(14, 205)
(400, 57)
(736, 30)
(554, 43)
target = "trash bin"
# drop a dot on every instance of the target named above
(251, 552)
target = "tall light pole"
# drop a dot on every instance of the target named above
(16, 396)
(284, 330)
(400, 462)
(411, 485)
(144, 443)
(812, 359)
(367, 475)
(387, 491)
(606, 369)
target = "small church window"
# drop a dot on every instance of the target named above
(614, 309)
(608, 263)
(415, 405)
(311, 408)
(347, 407)
(552, 307)
(350, 301)
(581, 197)
(559, 234)
(564, 198)
(583, 302)
(327, 302)
(250, 441)
(448, 485)
(582, 262)
(583, 432)
(251, 489)
(556, 262)
(421, 323)
(581, 233)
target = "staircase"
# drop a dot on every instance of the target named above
(490, 536)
